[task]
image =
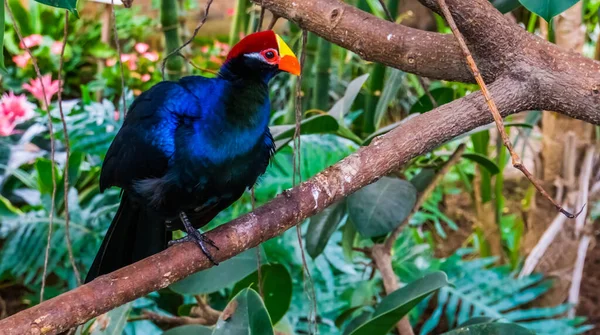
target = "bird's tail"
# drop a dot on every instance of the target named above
(134, 234)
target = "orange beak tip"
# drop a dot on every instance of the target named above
(290, 64)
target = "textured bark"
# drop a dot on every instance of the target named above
(525, 73)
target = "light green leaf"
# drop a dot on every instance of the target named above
(244, 315)
(548, 9)
(43, 167)
(7, 210)
(322, 226)
(111, 323)
(276, 285)
(70, 5)
(491, 329)
(390, 89)
(189, 330)
(379, 208)
(396, 305)
(218, 277)
(342, 106)
(484, 161)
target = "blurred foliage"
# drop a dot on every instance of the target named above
(347, 103)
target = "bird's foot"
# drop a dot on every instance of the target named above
(193, 235)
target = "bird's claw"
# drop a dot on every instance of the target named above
(197, 237)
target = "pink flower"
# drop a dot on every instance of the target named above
(21, 60)
(50, 87)
(31, 41)
(14, 109)
(230, 11)
(204, 49)
(146, 77)
(56, 47)
(151, 56)
(141, 47)
(116, 115)
(111, 62)
(130, 60)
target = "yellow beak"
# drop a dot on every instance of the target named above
(288, 61)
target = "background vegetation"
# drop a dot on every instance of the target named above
(461, 252)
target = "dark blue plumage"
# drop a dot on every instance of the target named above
(190, 148)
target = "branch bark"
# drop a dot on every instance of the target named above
(524, 73)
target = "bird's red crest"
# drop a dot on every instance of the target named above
(254, 43)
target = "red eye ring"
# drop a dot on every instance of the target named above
(271, 56)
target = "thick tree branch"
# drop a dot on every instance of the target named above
(531, 74)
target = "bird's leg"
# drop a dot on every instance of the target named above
(195, 236)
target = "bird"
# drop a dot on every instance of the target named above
(188, 149)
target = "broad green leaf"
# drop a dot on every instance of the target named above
(189, 330)
(318, 124)
(244, 315)
(43, 167)
(548, 9)
(276, 285)
(484, 161)
(342, 106)
(493, 328)
(396, 305)
(442, 95)
(477, 320)
(218, 277)
(348, 237)
(423, 179)
(111, 323)
(21, 16)
(390, 89)
(7, 210)
(505, 6)
(379, 208)
(322, 226)
(70, 5)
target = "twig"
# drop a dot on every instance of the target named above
(389, 242)
(578, 274)
(46, 107)
(67, 150)
(386, 10)
(258, 256)
(188, 41)
(118, 46)
(584, 187)
(273, 21)
(261, 18)
(543, 244)
(516, 160)
(171, 321)
(204, 310)
(297, 172)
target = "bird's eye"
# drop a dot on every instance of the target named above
(269, 54)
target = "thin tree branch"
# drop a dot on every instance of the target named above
(46, 106)
(516, 160)
(119, 56)
(67, 150)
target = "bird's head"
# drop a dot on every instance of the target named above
(261, 55)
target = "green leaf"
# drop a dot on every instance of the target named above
(348, 237)
(244, 315)
(70, 5)
(422, 179)
(342, 106)
(318, 124)
(322, 226)
(113, 322)
(379, 208)
(396, 305)
(43, 167)
(442, 95)
(505, 6)
(218, 277)
(277, 289)
(477, 320)
(7, 210)
(189, 330)
(390, 89)
(548, 9)
(491, 329)
(482, 160)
